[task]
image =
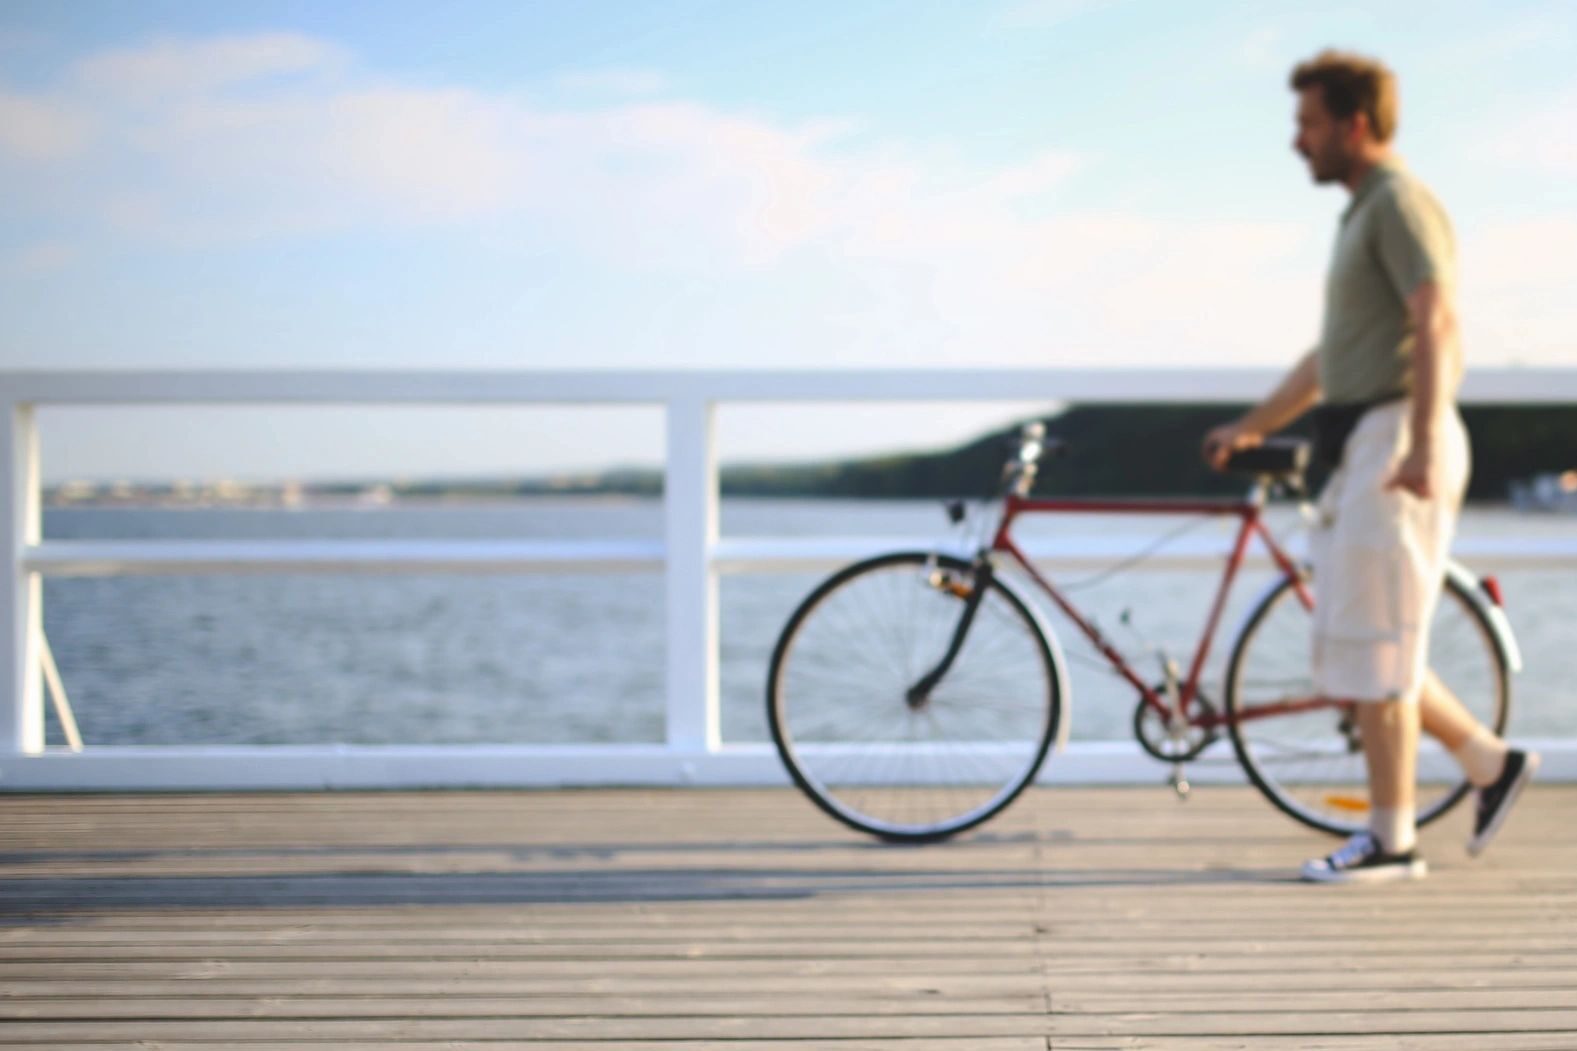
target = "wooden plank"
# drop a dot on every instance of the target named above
(875, 985)
(106, 980)
(751, 1027)
(1038, 918)
(794, 1043)
(1414, 1042)
(1106, 918)
(1556, 950)
(765, 1002)
(768, 1002)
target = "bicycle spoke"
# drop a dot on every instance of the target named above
(840, 711)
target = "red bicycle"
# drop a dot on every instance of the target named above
(913, 695)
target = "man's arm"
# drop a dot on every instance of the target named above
(1437, 371)
(1291, 398)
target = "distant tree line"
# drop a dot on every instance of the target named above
(1144, 450)
(1112, 450)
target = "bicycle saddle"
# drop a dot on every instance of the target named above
(1280, 457)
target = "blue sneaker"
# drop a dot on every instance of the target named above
(1361, 860)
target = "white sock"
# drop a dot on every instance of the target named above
(1395, 827)
(1483, 757)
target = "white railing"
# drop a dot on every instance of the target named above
(690, 556)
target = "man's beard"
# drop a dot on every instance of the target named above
(1329, 168)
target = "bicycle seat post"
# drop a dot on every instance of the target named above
(1259, 490)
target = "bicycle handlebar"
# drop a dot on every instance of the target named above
(1277, 462)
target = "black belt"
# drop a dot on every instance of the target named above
(1334, 423)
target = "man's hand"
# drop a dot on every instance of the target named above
(1227, 439)
(1298, 390)
(1415, 474)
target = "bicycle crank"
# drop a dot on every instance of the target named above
(1174, 739)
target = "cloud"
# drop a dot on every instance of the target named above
(195, 141)
(1043, 13)
(662, 182)
(34, 129)
(1542, 137)
(1098, 287)
(814, 237)
(876, 245)
(1263, 48)
(40, 258)
(1517, 301)
(615, 82)
(359, 158)
(173, 67)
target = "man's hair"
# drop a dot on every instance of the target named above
(1352, 84)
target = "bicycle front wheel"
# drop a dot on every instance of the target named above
(841, 704)
(1306, 756)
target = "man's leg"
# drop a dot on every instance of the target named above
(1389, 731)
(1447, 720)
(1379, 568)
(1481, 754)
(1443, 716)
(1498, 772)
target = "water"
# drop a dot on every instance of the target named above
(445, 659)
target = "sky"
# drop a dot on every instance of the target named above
(700, 184)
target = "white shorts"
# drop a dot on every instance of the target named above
(1379, 560)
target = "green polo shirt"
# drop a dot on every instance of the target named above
(1393, 237)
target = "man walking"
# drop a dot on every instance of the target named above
(1384, 375)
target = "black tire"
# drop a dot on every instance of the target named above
(1310, 764)
(837, 698)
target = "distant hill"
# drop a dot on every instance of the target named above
(1145, 450)
(1129, 450)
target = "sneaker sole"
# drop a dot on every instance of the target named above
(1530, 765)
(1418, 868)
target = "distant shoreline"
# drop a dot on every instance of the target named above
(462, 502)
(1130, 450)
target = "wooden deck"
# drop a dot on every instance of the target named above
(1111, 918)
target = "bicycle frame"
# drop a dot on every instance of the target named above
(861, 719)
(1249, 513)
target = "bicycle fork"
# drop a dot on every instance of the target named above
(972, 594)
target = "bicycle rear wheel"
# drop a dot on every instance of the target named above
(1307, 758)
(839, 707)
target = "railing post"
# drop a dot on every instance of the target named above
(690, 514)
(21, 614)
